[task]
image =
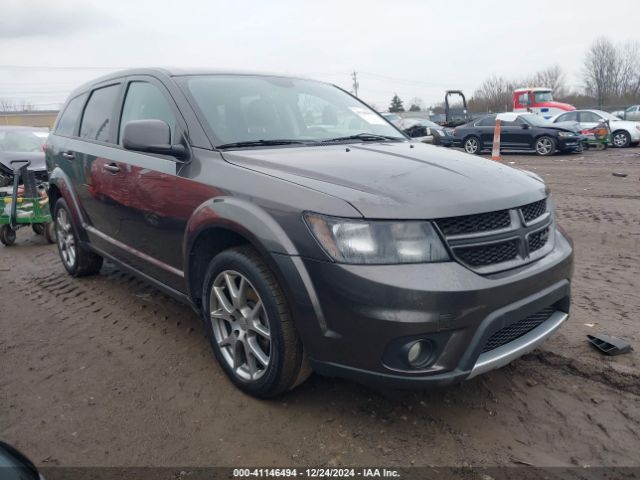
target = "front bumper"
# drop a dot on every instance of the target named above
(569, 144)
(353, 318)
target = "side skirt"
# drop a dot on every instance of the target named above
(181, 297)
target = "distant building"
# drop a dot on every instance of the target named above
(32, 118)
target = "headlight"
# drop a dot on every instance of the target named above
(377, 242)
(567, 134)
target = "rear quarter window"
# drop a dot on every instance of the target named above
(97, 119)
(69, 118)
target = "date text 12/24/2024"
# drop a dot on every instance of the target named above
(315, 473)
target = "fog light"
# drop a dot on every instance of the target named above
(419, 353)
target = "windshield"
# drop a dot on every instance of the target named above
(606, 115)
(543, 97)
(245, 108)
(22, 140)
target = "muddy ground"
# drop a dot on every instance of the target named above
(108, 371)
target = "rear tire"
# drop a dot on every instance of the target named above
(249, 325)
(7, 235)
(545, 146)
(620, 139)
(38, 228)
(50, 232)
(77, 260)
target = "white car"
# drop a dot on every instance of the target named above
(630, 113)
(624, 133)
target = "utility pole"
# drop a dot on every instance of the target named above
(354, 76)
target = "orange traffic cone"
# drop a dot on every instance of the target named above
(495, 151)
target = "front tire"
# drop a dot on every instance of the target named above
(78, 261)
(472, 145)
(620, 139)
(249, 324)
(545, 146)
(7, 235)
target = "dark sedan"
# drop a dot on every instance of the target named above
(22, 143)
(526, 132)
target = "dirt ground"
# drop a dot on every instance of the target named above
(107, 371)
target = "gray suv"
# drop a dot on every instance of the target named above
(308, 232)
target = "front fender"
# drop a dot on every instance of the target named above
(277, 249)
(244, 218)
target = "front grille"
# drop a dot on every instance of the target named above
(538, 240)
(517, 329)
(483, 255)
(482, 222)
(534, 210)
(495, 241)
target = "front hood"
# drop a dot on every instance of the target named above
(394, 180)
(565, 126)
(36, 158)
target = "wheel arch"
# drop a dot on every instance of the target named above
(60, 186)
(225, 222)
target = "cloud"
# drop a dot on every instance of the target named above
(45, 18)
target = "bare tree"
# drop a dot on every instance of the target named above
(553, 78)
(494, 95)
(7, 105)
(602, 70)
(629, 57)
(416, 105)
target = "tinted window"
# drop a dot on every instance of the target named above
(69, 118)
(145, 101)
(589, 117)
(97, 118)
(489, 121)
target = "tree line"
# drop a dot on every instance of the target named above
(610, 76)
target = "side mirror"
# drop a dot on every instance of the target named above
(151, 136)
(525, 125)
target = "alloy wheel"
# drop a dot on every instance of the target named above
(620, 139)
(66, 239)
(240, 325)
(471, 145)
(544, 146)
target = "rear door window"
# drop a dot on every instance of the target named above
(589, 117)
(145, 101)
(489, 121)
(98, 114)
(69, 119)
(568, 117)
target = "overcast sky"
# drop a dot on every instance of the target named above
(417, 48)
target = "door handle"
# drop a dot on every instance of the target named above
(111, 168)
(68, 155)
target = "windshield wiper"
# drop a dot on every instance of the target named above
(365, 137)
(259, 143)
